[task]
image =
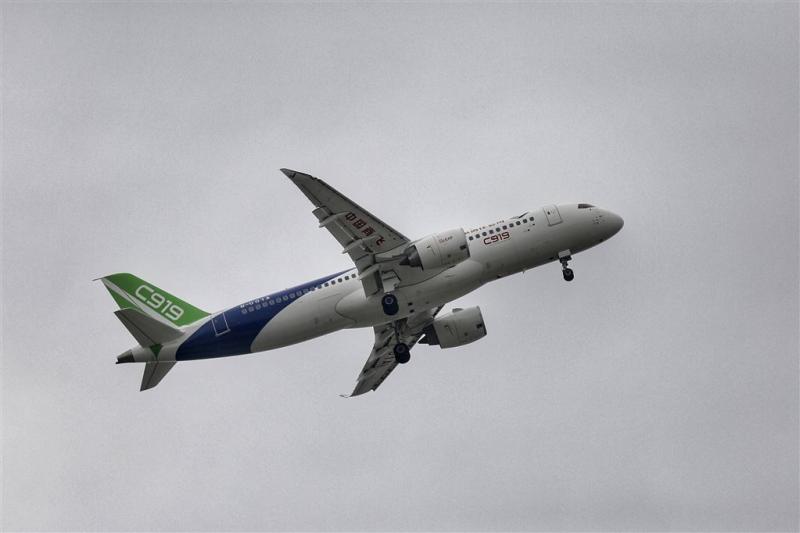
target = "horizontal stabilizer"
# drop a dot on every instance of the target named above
(154, 372)
(145, 329)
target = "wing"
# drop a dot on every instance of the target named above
(364, 237)
(380, 362)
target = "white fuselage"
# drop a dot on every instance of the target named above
(336, 302)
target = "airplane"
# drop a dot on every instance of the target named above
(397, 287)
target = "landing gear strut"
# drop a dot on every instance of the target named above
(402, 352)
(565, 258)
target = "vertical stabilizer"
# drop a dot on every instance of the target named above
(131, 292)
(154, 317)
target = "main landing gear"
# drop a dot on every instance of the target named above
(402, 353)
(565, 258)
(389, 304)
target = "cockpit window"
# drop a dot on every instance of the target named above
(584, 206)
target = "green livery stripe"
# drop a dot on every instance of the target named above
(121, 302)
(148, 297)
(155, 349)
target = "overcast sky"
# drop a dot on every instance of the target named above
(658, 391)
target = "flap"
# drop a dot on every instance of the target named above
(380, 362)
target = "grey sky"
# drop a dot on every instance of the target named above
(658, 391)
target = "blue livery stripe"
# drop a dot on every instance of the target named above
(243, 324)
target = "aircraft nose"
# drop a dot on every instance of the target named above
(613, 222)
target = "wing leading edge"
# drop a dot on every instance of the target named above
(376, 249)
(362, 235)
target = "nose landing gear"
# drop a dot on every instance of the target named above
(565, 257)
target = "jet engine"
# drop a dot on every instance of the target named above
(460, 327)
(437, 251)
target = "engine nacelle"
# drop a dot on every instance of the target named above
(460, 327)
(438, 251)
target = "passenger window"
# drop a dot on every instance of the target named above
(484, 234)
(340, 280)
(518, 222)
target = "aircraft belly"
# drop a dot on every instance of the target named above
(363, 311)
(366, 311)
(311, 316)
(451, 284)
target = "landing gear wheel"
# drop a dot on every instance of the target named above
(389, 304)
(564, 257)
(402, 354)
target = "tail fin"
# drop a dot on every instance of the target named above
(131, 292)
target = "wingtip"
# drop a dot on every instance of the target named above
(296, 176)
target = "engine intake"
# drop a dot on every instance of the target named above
(437, 251)
(460, 327)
